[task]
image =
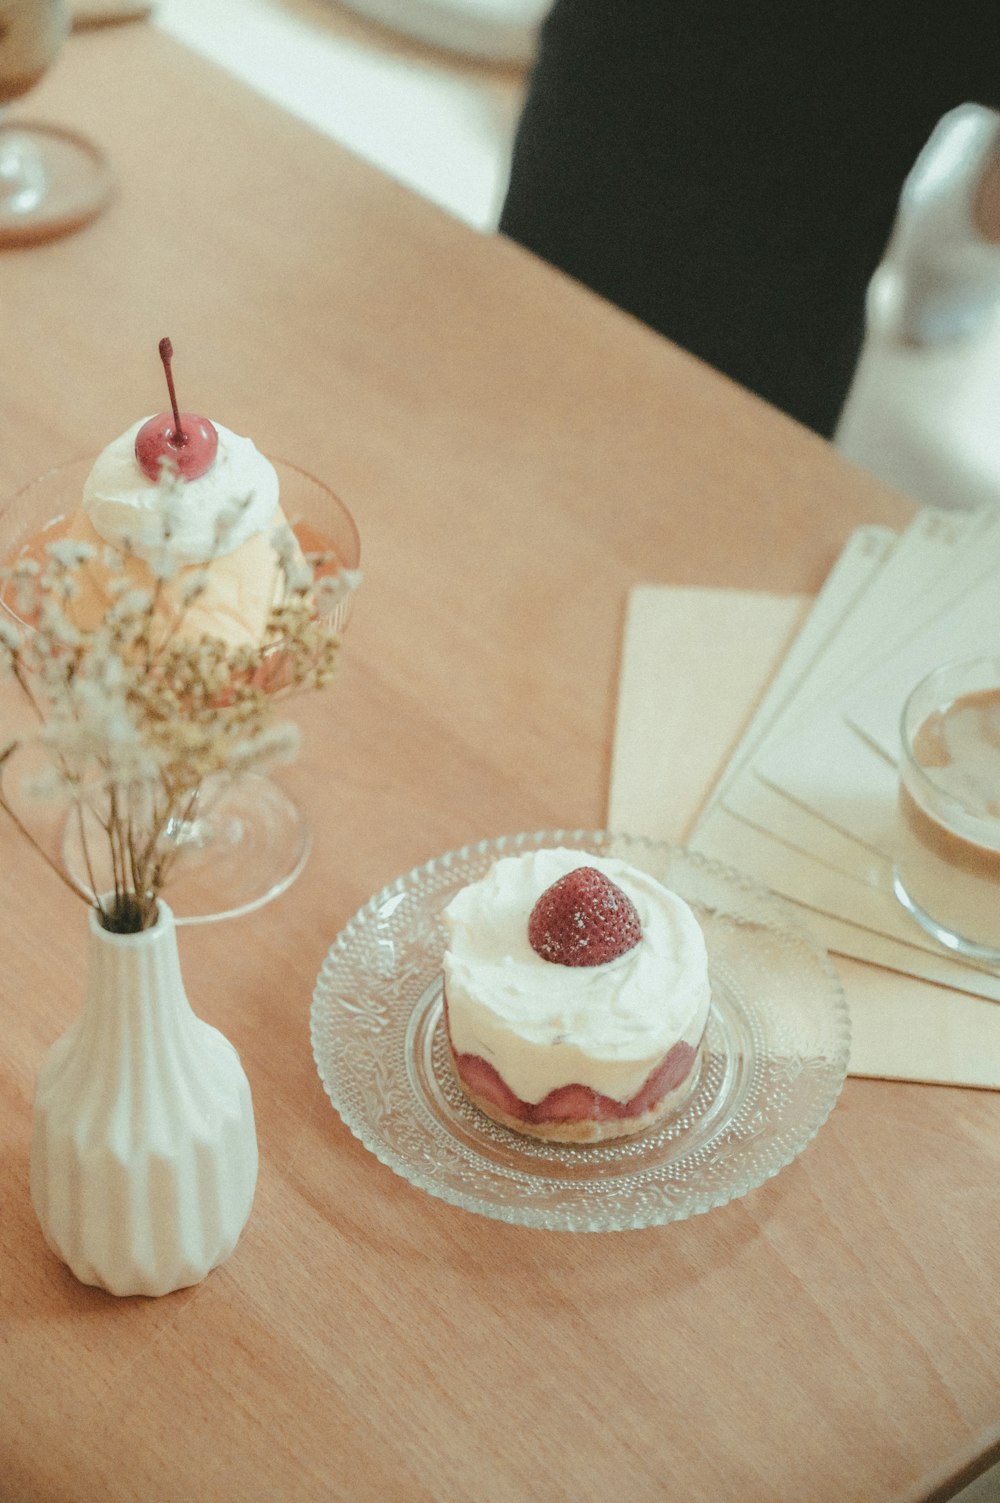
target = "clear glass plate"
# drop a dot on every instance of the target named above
(775, 1059)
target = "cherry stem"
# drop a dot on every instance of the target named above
(167, 355)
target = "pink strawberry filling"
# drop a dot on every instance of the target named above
(576, 1103)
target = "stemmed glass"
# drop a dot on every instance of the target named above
(51, 180)
(246, 840)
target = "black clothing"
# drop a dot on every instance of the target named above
(729, 172)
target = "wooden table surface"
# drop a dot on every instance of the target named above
(517, 455)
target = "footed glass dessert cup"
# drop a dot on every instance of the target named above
(245, 840)
(947, 861)
(51, 180)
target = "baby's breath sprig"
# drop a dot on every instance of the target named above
(133, 719)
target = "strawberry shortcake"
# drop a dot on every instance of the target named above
(576, 995)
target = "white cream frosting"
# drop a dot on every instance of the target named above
(213, 514)
(543, 1025)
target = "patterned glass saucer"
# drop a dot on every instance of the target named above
(776, 1054)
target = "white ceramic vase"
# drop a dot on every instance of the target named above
(144, 1151)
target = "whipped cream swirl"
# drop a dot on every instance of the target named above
(543, 1025)
(192, 521)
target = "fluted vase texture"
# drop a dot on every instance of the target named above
(144, 1150)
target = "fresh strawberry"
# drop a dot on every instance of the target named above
(571, 1103)
(579, 1103)
(484, 1081)
(583, 919)
(666, 1077)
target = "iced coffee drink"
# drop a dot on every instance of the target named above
(947, 870)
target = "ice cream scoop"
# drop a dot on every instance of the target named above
(192, 521)
(218, 525)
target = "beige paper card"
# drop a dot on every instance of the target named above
(835, 758)
(696, 665)
(880, 587)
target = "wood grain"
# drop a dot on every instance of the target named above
(517, 455)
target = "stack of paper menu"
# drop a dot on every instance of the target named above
(764, 732)
(808, 801)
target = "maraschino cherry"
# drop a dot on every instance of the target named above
(188, 441)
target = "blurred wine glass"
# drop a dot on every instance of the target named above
(51, 180)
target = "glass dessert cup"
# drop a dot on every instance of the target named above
(51, 180)
(947, 862)
(245, 840)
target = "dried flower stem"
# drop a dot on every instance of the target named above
(134, 716)
(32, 840)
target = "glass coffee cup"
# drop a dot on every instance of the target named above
(947, 860)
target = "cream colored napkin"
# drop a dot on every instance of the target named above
(706, 675)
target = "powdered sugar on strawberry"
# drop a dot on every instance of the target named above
(583, 919)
